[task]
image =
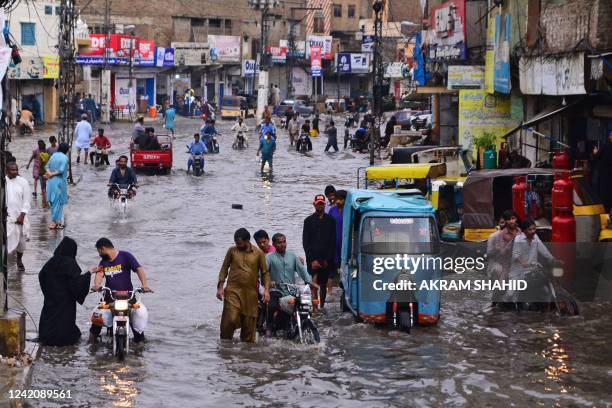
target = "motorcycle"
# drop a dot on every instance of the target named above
(293, 319)
(122, 195)
(23, 128)
(115, 315)
(97, 156)
(239, 144)
(283, 122)
(543, 293)
(197, 161)
(212, 145)
(303, 143)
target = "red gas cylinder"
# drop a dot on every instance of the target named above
(562, 160)
(518, 197)
(562, 193)
(564, 227)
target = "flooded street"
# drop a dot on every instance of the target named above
(179, 228)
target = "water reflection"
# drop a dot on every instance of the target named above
(120, 386)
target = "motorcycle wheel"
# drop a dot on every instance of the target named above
(120, 344)
(310, 334)
(405, 321)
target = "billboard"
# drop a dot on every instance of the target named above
(501, 54)
(324, 42)
(164, 57)
(278, 53)
(224, 48)
(465, 76)
(446, 37)
(315, 60)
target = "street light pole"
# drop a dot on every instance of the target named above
(292, 48)
(130, 82)
(377, 108)
(338, 78)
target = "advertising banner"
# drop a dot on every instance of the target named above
(360, 63)
(50, 67)
(465, 76)
(315, 61)
(447, 37)
(481, 112)
(278, 53)
(123, 96)
(323, 42)
(501, 71)
(300, 48)
(302, 83)
(367, 43)
(343, 63)
(250, 68)
(30, 68)
(146, 54)
(552, 76)
(190, 54)
(224, 48)
(490, 56)
(164, 57)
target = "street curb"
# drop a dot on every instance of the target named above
(24, 380)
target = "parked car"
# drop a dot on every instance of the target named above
(421, 121)
(298, 105)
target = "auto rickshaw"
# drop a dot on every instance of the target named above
(488, 193)
(231, 107)
(154, 160)
(378, 225)
(444, 192)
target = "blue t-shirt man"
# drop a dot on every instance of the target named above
(197, 147)
(267, 148)
(170, 115)
(118, 271)
(265, 128)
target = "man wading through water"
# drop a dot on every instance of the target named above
(241, 267)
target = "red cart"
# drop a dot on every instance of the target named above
(154, 160)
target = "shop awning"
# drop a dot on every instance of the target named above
(542, 116)
(406, 171)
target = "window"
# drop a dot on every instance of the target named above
(197, 22)
(28, 34)
(319, 24)
(48, 10)
(214, 23)
(228, 25)
(351, 11)
(337, 10)
(58, 10)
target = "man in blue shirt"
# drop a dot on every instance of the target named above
(207, 131)
(283, 265)
(196, 147)
(267, 147)
(266, 127)
(122, 176)
(169, 115)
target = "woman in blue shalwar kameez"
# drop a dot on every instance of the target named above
(57, 185)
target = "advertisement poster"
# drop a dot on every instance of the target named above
(481, 112)
(360, 63)
(501, 71)
(321, 41)
(146, 51)
(302, 83)
(552, 76)
(315, 61)
(490, 56)
(367, 43)
(465, 76)
(224, 48)
(278, 53)
(164, 57)
(446, 38)
(123, 98)
(300, 48)
(343, 62)
(50, 67)
(250, 68)
(30, 68)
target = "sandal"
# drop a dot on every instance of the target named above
(59, 226)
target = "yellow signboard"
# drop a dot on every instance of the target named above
(481, 112)
(50, 67)
(490, 54)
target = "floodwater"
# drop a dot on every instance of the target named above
(179, 228)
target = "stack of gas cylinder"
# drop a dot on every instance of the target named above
(563, 222)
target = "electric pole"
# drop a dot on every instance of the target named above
(292, 48)
(378, 81)
(262, 93)
(105, 73)
(66, 80)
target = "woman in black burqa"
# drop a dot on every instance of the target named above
(62, 285)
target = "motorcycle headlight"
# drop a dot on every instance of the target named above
(121, 305)
(305, 299)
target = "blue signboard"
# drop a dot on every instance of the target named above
(501, 72)
(344, 63)
(367, 43)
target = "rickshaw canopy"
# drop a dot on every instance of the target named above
(406, 171)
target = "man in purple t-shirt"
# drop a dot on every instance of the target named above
(117, 267)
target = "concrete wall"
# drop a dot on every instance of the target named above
(46, 27)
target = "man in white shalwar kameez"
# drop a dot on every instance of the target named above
(18, 196)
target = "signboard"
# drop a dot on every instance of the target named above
(396, 70)
(122, 94)
(465, 76)
(146, 54)
(279, 54)
(501, 56)
(164, 57)
(190, 54)
(323, 42)
(481, 112)
(490, 55)
(550, 76)
(343, 63)
(302, 83)
(315, 60)
(250, 68)
(300, 48)
(30, 68)
(117, 50)
(360, 63)
(447, 37)
(50, 67)
(224, 48)
(367, 43)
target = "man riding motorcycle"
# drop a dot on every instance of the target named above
(305, 132)
(283, 265)
(116, 268)
(197, 147)
(240, 130)
(124, 177)
(207, 131)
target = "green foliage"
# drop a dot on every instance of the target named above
(486, 140)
